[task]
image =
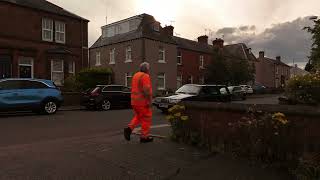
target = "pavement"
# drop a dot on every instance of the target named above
(76, 145)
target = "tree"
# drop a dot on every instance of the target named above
(314, 58)
(218, 71)
(229, 71)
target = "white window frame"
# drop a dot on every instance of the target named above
(112, 59)
(44, 29)
(191, 79)
(128, 52)
(98, 59)
(179, 57)
(62, 71)
(179, 79)
(58, 25)
(162, 76)
(163, 51)
(201, 62)
(128, 75)
(29, 65)
(73, 70)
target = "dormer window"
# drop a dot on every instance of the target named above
(156, 26)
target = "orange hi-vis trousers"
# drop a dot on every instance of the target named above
(143, 116)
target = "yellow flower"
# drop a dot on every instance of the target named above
(280, 117)
(169, 118)
(177, 115)
(182, 107)
(184, 118)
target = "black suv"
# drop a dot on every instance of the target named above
(105, 97)
(194, 92)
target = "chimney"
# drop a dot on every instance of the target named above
(278, 58)
(261, 54)
(203, 39)
(296, 65)
(169, 30)
(218, 43)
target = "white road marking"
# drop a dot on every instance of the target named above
(137, 130)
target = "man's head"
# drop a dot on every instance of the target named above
(145, 67)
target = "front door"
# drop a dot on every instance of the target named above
(25, 67)
(5, 66)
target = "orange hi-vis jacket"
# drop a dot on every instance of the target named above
(141, 90)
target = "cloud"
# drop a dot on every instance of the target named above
(283, 39)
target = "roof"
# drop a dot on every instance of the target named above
(274, 61)
(238, 51)
(144, 30)
(193, 45)
(44, 5)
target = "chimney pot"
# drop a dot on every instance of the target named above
(278, 58)
(261, 54)
(168, 30)
(218, 43)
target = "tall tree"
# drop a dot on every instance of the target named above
(314, 58)
(218, 71)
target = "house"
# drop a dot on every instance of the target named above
(296, 71)
(41, 40)
(272, 73)
(125, 44)
(192, 59)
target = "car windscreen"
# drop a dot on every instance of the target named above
(189, 89)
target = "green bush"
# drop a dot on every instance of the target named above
(71, 84)
(89, 78)
(304, 89)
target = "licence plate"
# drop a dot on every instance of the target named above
(163, 105)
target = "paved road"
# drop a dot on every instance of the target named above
(26, 128)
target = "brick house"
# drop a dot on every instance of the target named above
(272, 73)
(192, 59)
(41, 40)
(125, 44)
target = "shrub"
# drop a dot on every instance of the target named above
(89, 78)
(71, 84)
(304, 89)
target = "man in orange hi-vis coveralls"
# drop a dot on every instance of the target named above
(141, 101)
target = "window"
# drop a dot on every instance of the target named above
(25, 67)
(112, 56)
(162, 55)
(161, 81)
(128, 54)
(179, 81)
(156, 27)
(277, 70)
(112, 88)
(57, 73)
(128, 79)
(201, 80)
(201, 62)
(98, 62)
(32, 85)
(11, 84)
(47, 30)
(190, 79)
(179, 58)
(71, 67)
(60, 29)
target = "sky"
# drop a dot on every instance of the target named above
(273, 26)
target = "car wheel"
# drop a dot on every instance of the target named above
(50, 107)
(106, 105)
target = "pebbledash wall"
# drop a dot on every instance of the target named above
(21, 36)
(122, 68)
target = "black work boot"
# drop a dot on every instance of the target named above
(146, 139)
(127, 133)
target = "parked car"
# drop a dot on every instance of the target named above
(105, 97)
(237, 92)
(247, 88)
(194, 92)
(259, 89)
(37, 95)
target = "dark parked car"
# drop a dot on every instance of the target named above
(237, 92)
(37, 95)
(194, 92)
(105, 97)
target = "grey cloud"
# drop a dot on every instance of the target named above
(227, 30)
(284, 39)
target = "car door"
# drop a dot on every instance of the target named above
(9, 95)
(126, 96)
(32, 93)
(113, 93)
